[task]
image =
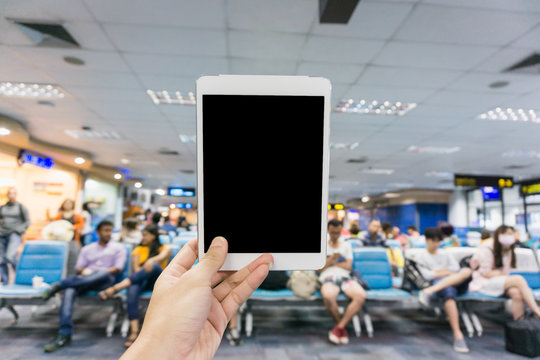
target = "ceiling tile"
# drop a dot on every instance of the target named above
(107, 94)
(380, 93)
(462, 98)
(262, 67)
(504, 59)
(341, 50)
(89, 35)
(514, 5)
(518, 83)
(336, 73)
(170, 83)
(403, 77)
(529, 40)
(95, 79)
(190, 66)
(58, 10)
(265, 45)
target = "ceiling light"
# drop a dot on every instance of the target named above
(172, 206)
(93, 134)
(365, 199)
(138, 185)
(391, 195)
(522, 154)
(443, 174)
(176, 97)
(79, 160)
(341, 146)
(186, 139)
(373, 107)
(4, 131)
(433, 149)
(160, 192)
(511, 115)
(118, 176)
(31, 90)
(125, 161)
(378, 171)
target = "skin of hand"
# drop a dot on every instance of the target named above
(148, 265)
(86, 272)
(191, 306)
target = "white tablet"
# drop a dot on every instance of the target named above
(262, 166)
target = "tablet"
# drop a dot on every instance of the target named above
(262, 166)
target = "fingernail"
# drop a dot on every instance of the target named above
(218, 242)
(270, 265)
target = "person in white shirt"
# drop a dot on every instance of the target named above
(335, 277)
(435, 265)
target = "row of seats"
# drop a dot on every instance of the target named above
(179, 239)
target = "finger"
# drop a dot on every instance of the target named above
(183, 261)
(218, 277)
(213, 260)
(242, 292)
(236, 279)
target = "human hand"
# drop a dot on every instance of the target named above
(148, 265)
(190, 308)
(86, 272)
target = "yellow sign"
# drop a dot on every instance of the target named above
(531, 189)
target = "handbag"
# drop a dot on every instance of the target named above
(522, 336)
(412, 277)
(303, 283)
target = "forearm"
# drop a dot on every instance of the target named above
(439, 273)
(113, 270)
(343, 265)
(494, 273)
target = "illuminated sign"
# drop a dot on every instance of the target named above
(481, 181)
(26, 158)
(336, 207)
(181, 191)
(184, 206)
(530, 188)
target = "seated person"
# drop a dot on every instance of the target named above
(335, 277)
(148, 260)
(96, 267)
(436, 265)
(412, 231)
(373, 237)
(492, 263)
(167, 227)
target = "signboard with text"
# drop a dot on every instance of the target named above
(482, 180)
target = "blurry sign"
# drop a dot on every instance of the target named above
(181, 191)
(184, 206)
(481, 181)
(530, 189)
(336, 206)
(26, 158)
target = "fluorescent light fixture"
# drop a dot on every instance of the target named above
(378, 171)
(443, 174)
(176, 97)
(522, 154)
(373, 107)
(341, 146)
(160, 192)
(31, 90)
(138, 185)
(118, 176)
(125, 161)
(510, 114)
(4, 131)
(79, 160)
(365, 199)
(433, 149)
(172, 206)
(93, 134)
(391, 195)
(186, 139)
(401, 185)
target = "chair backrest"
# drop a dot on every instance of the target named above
(164, 239)
(174, 250)
(393, 243)
(44, 258)
(417, 241)
(373, 265)
(525, 261)
(127, 268)
(187, 235)
(460, 252)
(354, 243)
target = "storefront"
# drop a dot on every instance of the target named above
(103, 199)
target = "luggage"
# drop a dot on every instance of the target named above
(412, 277)
(522, 337)
(303, 283)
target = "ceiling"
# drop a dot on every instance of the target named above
(440, 54)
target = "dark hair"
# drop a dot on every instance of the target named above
(485, 234)
(412, 227)
(64, 203)
(104, 223)
(354, 229)
(156, 217)
(86, 207)
(497, 247)
(155, 245)
(433, 233)
(167, 218)
(131, 223)
(386, 226)
(335, 222)
(446, 228)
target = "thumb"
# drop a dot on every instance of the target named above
(214, 258)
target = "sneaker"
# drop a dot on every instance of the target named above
(344, 338)
(423, 298)
(460, 346)
(334, 335)
(49, 293)
(60, 341)
(233, 335)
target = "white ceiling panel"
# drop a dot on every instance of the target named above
(278, 15)
(57, 10)
(341, 50)
(402, 77)
(167, 40)
(106, 94)
(518, 83)
(370, 20)
(24, 74)
(188, 13)
(262, 67)
(380, 93)
(462, 98)
(11, 35)
(169, 83)
(265, 45)
(529, 40)
(95, 79)
(465, 26)
(190, 66)
(512, 5)
(336, 73)
(433, 56)
(529, 101)
(89, 35)
(504, 59)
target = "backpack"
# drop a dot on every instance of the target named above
(412, 277)
(303, 283)
(276, 280)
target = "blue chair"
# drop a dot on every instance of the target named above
(164, 239)
(184, 237)
(47, 259)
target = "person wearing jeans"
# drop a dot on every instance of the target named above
(148, 260)
(96, 267)
(14, 222)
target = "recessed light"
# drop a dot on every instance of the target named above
(433, 149)
(172, 206)
(391, 195)
(373, 107)
(118, 176)
(160, 192)
(125, 161)
(73, 60)
(31, 90)
(186, 139)
(510, 114)
(138, 185)
(4, 131)
(498, 84)
(378, 171)
(522, 154)
(79, 160)
(442, 174)
(365, 199)
(344, 146)
(93, 134)
(176, 97)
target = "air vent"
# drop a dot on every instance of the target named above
(47, 34)
(93, 134)
(168, 152)
(529, 65)
(516, 167)
(359, 160)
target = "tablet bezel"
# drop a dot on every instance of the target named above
(266, 85)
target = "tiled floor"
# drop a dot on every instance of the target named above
(280, 334)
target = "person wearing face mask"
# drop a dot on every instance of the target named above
(492, 263)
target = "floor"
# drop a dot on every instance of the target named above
(278, 334)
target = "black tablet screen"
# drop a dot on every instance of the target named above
(263, 171)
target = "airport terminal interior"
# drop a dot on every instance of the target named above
(433, 216)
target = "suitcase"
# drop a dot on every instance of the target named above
(523, 337)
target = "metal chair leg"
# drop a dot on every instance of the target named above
(356, 325)
(468, 324)
(476, 323)
(369, 325)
